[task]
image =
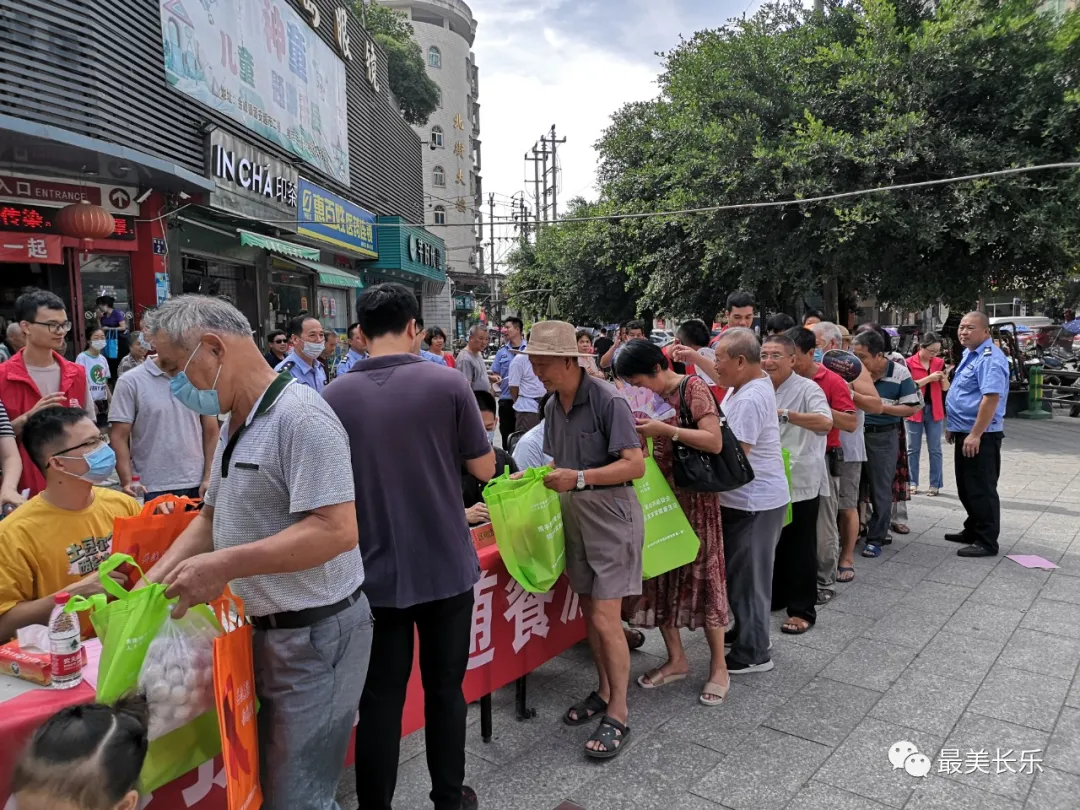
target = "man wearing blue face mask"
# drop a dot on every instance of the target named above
(307, 341)
(279, 525)
(57, 540)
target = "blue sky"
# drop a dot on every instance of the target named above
(571, 63)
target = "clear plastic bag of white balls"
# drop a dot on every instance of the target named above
(177, 674)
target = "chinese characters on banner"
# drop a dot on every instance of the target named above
(30, 248)
(325, 216)
(39, 219)
(263, 65)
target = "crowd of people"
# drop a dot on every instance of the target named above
(330, 503)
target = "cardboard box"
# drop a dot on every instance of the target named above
(27, 665)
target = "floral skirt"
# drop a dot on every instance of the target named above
(694, 595)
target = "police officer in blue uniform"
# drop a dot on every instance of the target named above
(975, 422)
(307, 341)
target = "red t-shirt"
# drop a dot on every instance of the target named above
(838, 396)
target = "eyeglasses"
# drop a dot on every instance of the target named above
(90, 444)
(55, 328)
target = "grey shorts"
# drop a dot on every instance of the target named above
(605, 532)
(850, 473)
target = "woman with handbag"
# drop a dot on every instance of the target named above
(693, 595)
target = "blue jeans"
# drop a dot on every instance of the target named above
(309, 681)
(933, 431)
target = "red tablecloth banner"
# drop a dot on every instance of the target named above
(514, 632)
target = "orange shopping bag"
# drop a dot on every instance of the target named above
(147, 536)
(234, 697)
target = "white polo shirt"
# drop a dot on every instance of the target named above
(809, 469)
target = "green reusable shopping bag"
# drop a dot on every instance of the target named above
(787, 474)
(126, 626)
(670, 541)
(528, 523)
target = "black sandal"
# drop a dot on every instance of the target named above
(586, 710)
(611, 734)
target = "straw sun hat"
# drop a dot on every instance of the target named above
(552, 339)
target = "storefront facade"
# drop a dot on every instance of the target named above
(411, 256)
(204, 170)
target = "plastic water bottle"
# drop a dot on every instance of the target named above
(65, 646)
(138, 489)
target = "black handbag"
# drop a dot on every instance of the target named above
(709, 472)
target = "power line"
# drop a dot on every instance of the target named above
(798, 201)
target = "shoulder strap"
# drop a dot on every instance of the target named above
(268, 399)
(685, 417)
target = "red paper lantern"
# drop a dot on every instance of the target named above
(84, 220)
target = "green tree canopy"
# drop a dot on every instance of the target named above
(788, 104)
(416, 92)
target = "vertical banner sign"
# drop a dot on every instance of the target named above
(263, 65)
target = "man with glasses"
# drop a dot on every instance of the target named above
(278, 346)
(59, 538)
(307, 341)
(38, 376)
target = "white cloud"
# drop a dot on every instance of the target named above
(571, 63)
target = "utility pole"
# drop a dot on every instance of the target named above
(545, 176)
(555, 173)
(491, 232)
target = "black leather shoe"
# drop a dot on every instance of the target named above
(956, 538)
(976, 550)
(468, 798)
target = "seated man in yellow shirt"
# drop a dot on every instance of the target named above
(57, 540)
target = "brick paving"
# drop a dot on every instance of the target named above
(924, 647)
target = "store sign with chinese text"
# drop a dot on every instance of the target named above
(328, 218)
(423, 252)
(51, 191)
(28, 247)
(39, 219)
(263, 65)
(249, 182)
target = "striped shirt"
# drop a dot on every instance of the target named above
(5, 424)
(895, 388)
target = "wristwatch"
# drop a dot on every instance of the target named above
(784, 416)
(581, 479)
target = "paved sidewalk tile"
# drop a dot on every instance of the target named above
(861, 763)
(763, 773)
(1064, 750)
(1042, 653)
(1020, 697)
(925, 702)
(824, 711)
(1054, 790)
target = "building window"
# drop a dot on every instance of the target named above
(436, 137)
(440, 215)
(434, 57)
(438, 176)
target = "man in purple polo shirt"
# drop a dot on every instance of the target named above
(412, 425)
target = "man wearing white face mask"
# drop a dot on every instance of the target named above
(57, 540)
(279, 523)
(307, 341)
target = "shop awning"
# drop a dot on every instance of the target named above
(330, 276)
(280, 246)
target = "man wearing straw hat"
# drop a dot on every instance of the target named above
(597, 454)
